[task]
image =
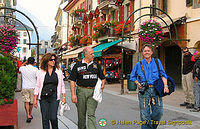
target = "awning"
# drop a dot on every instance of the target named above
(98, 49)
(128, 45)
(74, 54)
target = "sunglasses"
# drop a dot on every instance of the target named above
(52, 60)
(185, 51)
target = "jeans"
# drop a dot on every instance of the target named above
(49, 108)
(86, 105)
(151, 108)
(196, 91)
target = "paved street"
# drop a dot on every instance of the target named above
(115, 108)
(121, 108)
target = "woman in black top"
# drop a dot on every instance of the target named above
(48, 89)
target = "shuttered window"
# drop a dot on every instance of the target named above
(189, 3)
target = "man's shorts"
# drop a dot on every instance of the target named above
(28, 95)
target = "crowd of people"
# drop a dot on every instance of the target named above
(47, 85)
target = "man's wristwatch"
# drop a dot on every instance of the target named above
(165, 85)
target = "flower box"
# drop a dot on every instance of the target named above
(9, 115)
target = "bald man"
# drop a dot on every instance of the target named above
(85, 75)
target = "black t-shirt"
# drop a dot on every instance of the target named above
(187, 63)
(86, 76)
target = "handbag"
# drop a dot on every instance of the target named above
(63, 107)
(159, 86)
(48, 90)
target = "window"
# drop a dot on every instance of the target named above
(83, 5)
(24, 41)
(46, 43)
(19, 34)
(128, 9)
(189, 3)
(196, 4)
(89, 4)
(24, 50)
(89, 28)
(25, 34)
(161, 4)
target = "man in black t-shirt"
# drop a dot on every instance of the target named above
(187, 80)
(85, 74)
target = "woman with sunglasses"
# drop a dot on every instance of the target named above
(49, 87)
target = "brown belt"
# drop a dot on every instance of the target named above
(87, 87)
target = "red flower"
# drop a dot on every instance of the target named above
(5, 100)
(10, 100)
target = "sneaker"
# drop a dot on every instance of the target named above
(184, 104)
(190, 106)
(195, 110)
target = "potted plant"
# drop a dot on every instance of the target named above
(119, 26)
(77, 12)
(86, 40)
(95, 36)
(151, 32)
(102, 27)
(8, 82)
(8, 76)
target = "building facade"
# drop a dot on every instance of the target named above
(23, 50)
(87, 17)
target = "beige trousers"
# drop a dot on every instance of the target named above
(187, 83)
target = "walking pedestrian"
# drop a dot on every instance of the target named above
(151, 105)
(19, 76)
(196, 84)
(49, 87)
(85, 74)
(28, 72)
(187, 80)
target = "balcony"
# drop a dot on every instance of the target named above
(106, 5)
(78, 20)
(107, 35)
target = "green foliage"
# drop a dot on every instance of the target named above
(8, 80)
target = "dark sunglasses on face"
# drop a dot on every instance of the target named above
(185, 51)
(52, 60)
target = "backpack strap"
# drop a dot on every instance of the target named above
(156, 60)
(143, 71)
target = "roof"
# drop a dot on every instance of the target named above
(19, 26)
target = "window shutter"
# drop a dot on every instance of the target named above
(122, 13)
(86, 5)
(98, 19)
(189, 3)
(81, 6)
(108, 17)
(116, 15)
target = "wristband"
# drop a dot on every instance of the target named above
(165, 85)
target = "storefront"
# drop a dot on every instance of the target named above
(109, 55)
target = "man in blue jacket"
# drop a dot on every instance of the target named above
(151, 106)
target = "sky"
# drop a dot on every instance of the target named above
(42, 13)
